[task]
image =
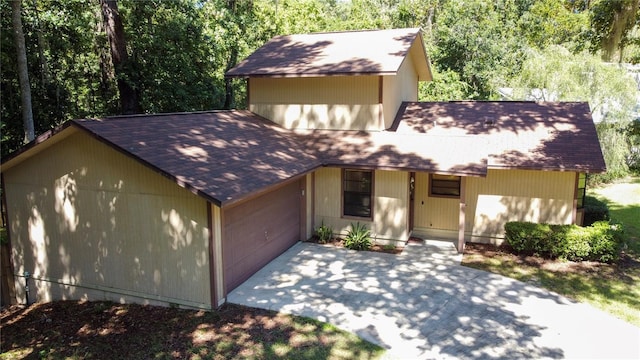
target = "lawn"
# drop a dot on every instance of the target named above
(99, 330)
(613, 288)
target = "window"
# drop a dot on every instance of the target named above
(356, 193)
(581, 191)
(444, 185)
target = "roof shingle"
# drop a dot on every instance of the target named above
(373, 52)
(525, 135)
(223, 155)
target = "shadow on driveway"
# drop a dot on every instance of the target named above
(424, 304)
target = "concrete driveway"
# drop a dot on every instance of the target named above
(423, 304)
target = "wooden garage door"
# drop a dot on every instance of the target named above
(258, 231)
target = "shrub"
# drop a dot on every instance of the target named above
(324, 233)
(594, 210)
(601, 241)
(527, 238)
(358, 238)
(606, 241)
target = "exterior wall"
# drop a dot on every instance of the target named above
(335, 102)
(399, 88)
(216, 256)
(390, 206)
(437, 216)
(517, 195)
(91, 223)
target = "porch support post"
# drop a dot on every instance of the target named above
(461, 217)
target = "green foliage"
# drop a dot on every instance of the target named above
(527, 237)
(594, 210)
(4, 238)
(358, 237)
(602, 241)
(611, 24)
(478, 40)
(445, 86)
(549, 22)
(324, 233)
(613, 141)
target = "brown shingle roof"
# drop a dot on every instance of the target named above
(371, 52)
(524, 135)
(222, 155)
(228, 155)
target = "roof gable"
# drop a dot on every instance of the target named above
(371, 52)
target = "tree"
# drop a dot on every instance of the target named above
(553, 22)
(479, 41)
(115, 33)
(611, 23)
(555, 74)
(23, 73)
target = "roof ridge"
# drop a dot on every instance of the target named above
(115, 117)
(416, 29)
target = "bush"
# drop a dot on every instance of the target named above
(324, 233)
(594, 210)
(601, 241)
(358, 238)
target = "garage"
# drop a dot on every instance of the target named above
(257, 231)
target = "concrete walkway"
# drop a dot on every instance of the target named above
(423, 304)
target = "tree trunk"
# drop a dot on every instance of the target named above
(115, 34)
(624, 15)
(23, 73)
(43, 61)
(228, 85)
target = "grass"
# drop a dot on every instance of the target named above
(98, 330)
(614, 288)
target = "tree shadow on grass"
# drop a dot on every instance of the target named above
(103, 329)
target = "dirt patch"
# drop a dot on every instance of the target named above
(99, 330)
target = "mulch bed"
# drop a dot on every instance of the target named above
(338, 242)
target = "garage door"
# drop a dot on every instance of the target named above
(258, 231)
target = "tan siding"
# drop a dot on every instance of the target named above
(84, 214)
(328, 199)
(399, 88)
(518, 195)
(336, 102)
(216, 221)
(390, 211)
(433, 212)
(309, 219)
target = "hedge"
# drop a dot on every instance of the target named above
(594, 210)
(602, 241)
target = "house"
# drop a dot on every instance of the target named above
(182, 208)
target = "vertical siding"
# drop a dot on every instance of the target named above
(89, 221)
(518, 195)
(399, 88)
(390, 211)
(336, 102)
(218, 263)
(309, 218)
(433, 213)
